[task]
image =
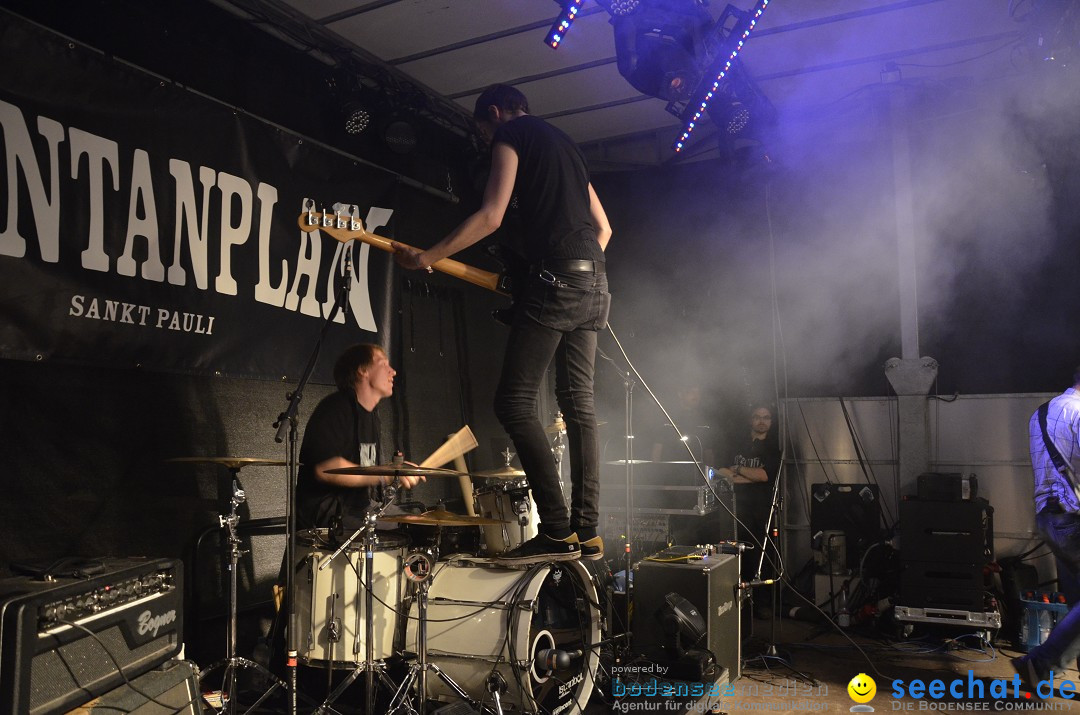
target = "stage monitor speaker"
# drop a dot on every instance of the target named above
(711, 584)
(63, 638)
(174, 688)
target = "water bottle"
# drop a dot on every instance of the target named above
(1025, 632)
(1045, 624)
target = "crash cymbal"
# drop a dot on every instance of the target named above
(395, 470)
(501, 473)
(230, 462)
(632, 461)
(441, 517)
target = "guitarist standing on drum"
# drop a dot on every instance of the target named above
(557, 315)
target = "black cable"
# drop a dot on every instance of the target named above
(867, 468)
(120, 670)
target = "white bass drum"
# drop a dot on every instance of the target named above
(483, 617)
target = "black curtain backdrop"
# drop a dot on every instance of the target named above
(95, 407)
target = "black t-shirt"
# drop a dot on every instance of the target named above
(552, 190)
(339, 427)
(752, 501)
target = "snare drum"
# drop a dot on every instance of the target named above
(482, 617)
(510, 502)
(330, 603)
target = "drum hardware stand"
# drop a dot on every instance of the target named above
(418, 568)
(557, 449)
(286, 425)
(232, 661)
(369, 667)
(496, 685)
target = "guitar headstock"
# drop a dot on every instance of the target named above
(342, 223)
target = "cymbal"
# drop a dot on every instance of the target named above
(501, 473)
(441, 517)
(395, 470)
(230, 462)
(632, 461)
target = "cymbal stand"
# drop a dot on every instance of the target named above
(418, 568)
(370, 667)
(558, 448)
(232, 661)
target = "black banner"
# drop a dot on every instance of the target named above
(144, 225)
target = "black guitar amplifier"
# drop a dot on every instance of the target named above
(63, 640)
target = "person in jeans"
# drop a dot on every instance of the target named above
(557, 313)
(1057, 515)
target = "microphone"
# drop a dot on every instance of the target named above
(756, 583)
(555, 659)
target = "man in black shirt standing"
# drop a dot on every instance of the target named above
(343, 431)
(558, 312)
(753, 471)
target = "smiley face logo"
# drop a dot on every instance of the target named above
(862, 688)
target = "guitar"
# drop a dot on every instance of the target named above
(345, 228)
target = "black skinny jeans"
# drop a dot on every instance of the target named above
(557, 317)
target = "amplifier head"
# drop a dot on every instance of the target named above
(62, 641)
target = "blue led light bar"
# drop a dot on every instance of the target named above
(562, 23)
(693, 112)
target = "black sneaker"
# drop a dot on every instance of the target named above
(1031, 673)
(541, 549)
(592, 549)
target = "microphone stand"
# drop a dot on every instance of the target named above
(628, 387)
(771, 526)
(286, 425)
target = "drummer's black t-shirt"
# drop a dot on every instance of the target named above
(339, 427)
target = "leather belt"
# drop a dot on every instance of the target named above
(571, 265)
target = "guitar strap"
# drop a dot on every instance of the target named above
(1055, 456)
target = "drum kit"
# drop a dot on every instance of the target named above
(494, 636)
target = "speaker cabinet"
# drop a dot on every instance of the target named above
(63, 640)
(711, 584)
(174, 685)
(957, 532)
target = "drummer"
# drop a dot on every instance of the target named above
(343, 431)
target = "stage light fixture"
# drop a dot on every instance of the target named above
(357, 118)
(562, 23)
(619, 8)
(697, 107)
(682, 624)
(656, 48)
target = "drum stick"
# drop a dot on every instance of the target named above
(458, 444)
(465, 482)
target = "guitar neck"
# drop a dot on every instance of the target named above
(457, 269)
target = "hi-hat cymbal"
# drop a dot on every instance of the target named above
(230, 462)
(395, 470)
(501, 473)
(441, 517)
